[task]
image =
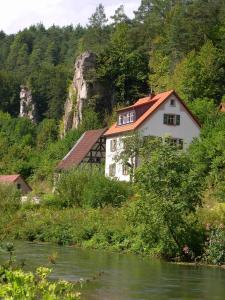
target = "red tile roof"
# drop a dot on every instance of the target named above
(9, 178)
(154, 103)
(81, 149)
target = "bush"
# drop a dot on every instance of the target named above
(17, 284)
(89, 187)
(215, 246)
(9, 198)
(101, 191)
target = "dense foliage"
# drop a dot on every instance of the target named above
(168, 44)
(89, 187)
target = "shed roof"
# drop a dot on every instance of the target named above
(12, 179)
(9, 178)
(81, 149)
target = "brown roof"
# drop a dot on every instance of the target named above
(154, 103)
(81, 149)
(9, 178)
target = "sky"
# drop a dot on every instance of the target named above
(18, 14)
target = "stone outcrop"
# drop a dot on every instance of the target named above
(82, 91)
(27, 105)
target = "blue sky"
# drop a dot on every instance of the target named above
(18, 14)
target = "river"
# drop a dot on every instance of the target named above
(124, 276)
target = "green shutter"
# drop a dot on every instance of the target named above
(177, 119)
(165, 119)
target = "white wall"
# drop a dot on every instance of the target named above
(187, 130)
(111, 157)
(153, 126)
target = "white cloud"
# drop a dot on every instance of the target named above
(18, 14)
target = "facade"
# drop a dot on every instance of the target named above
(16, 180)
(162, 115)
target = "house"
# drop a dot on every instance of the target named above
(16, 180)
(159, 115)
(90, 148)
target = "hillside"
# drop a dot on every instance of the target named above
(167, 45)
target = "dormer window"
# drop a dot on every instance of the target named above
(132, 116)
(120, 119)
(126, 117)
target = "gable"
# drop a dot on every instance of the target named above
(186, 128)
(158, 102)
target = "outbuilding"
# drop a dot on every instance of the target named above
(16, 180)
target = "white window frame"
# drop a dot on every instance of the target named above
(113, 145)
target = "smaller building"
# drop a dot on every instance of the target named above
(18, 181)
(90, 149)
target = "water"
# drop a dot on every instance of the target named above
(122, 277)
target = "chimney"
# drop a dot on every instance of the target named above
(152, 93)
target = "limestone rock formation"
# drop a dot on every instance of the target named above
(82, 91)
(27, 105)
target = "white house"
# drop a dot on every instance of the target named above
(159, 115)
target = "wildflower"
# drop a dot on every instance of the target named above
(186, 249)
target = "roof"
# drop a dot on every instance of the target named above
(12, 179)
(154, 103)
(81, 149)
(143, 101)
(9, 178)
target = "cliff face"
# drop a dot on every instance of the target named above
(82, 91)
(27, 105)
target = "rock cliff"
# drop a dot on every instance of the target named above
(83, 91)
(27, 105)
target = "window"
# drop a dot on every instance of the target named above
(172, 102)
(120, 120)
(170, 119)
(112, 170)
(179, 143)
(132, 115)
(113, 144)
(18, 186)
(126, 118)
(125, 169)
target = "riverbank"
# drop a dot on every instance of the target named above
(109, 228)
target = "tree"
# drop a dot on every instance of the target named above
(169, 192)
(98, 19)
(120, 16)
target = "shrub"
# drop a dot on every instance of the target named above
(215, 246)
(71, 186)
(9, 198)
(17, 284)
(101, 191)
(89, 187)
